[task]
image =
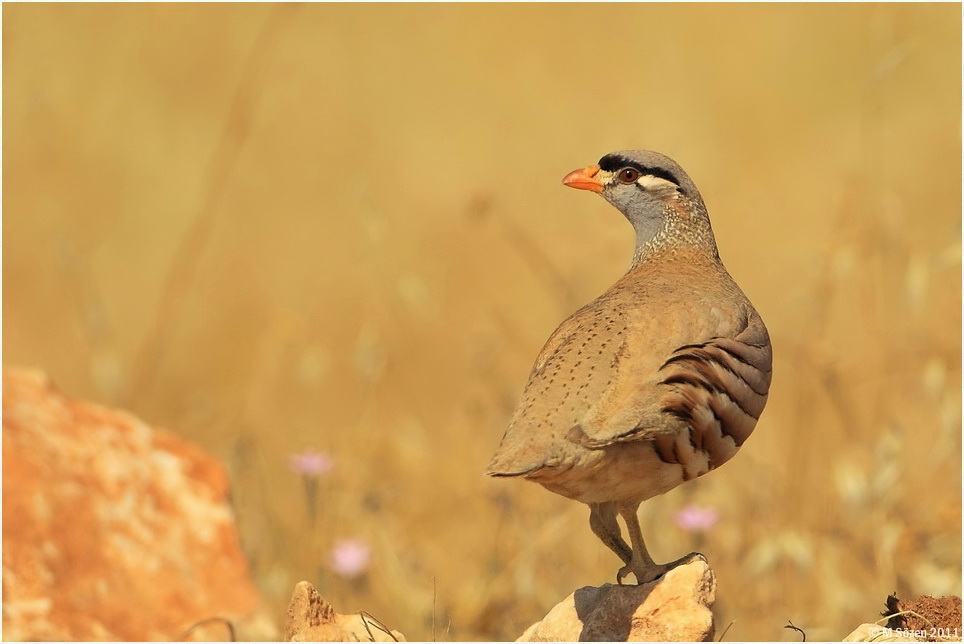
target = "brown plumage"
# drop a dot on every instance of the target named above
(657, 381)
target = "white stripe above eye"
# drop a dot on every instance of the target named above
(649, 181)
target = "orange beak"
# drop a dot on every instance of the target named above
(584, 179)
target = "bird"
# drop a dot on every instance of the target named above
(657, 381)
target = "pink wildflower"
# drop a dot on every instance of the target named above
(694, 518)
(309, 463)
(350, 557)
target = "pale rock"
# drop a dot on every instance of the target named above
(113, 530)
(312, 619)
(675, 607)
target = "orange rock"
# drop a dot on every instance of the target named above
(111, 529)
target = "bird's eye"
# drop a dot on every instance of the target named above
(628, 175)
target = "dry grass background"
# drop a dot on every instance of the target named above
(341, 228)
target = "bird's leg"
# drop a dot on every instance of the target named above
(602, 520)
(640, 563)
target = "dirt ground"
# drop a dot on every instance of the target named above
(938, 617)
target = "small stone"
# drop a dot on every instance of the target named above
(312, 619)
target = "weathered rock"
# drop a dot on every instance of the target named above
(112, 530)
(676, 607)
(312, 619)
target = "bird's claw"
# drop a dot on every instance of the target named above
(621, 573)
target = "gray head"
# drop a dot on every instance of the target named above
(654, 193)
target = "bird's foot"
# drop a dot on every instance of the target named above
(646, 573)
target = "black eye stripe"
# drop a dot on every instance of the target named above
(615, 163)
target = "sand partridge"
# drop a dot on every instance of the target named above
(657, 381)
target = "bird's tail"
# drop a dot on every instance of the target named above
(506, 464)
